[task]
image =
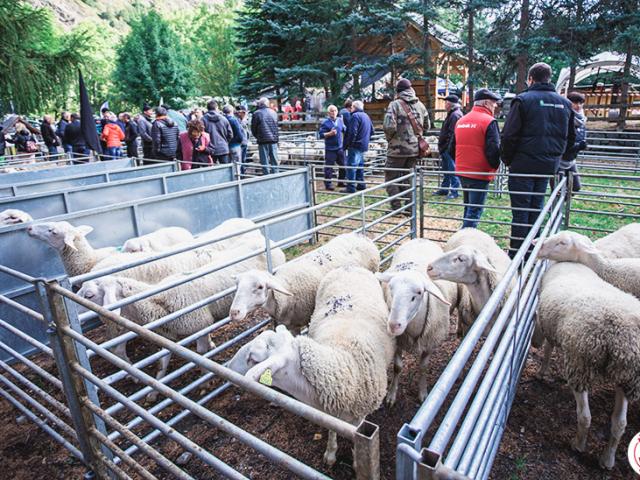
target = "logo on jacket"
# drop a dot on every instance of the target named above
(552, 105)
(634, 453)
(466, 125)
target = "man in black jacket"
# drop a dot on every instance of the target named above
(144, 129)
(536, 134)
(220, 132)
(450, 183)
(49, 135)
(165, 136)
(264, 127)
(73, 136)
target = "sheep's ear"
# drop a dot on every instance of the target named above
(69, 240)
(432, 289)
(83, 230)
(110, 296)
(384, 277)
(483, 263)
(274, 284)
(587, 245)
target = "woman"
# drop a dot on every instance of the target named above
(194, 148)
(25, 142)
(49, 135)
(112, 135)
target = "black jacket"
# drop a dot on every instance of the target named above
(3, 143)
(62, 124)
(144, 128)
(164, 134)
(73, 135)
(447, 132)
(264, 125)
(130, 132)
(20, 141)
(538, 129)
(49, 135)
(219, 131)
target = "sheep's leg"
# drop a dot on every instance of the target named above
(423, 389)
(546, 358)
(163, 366)
(203, 345)
(121, 351)
(579, 443)
(332, 448)
(395, 378)
(618, 426)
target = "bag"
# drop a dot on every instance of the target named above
(424, 150)
(32, 147)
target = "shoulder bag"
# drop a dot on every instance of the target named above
(423, 146)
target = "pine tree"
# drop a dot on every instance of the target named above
(153, 63)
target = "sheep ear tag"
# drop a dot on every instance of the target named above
(266, 378)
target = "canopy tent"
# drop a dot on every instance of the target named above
(603, 62)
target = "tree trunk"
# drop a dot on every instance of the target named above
(523, 56)
(574, 61)
(426, 60)
(624, 91)
(572, 77)
(470, 46)
(354, 50)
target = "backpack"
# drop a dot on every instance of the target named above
(31, 146)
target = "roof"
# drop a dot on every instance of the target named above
(446, 37)
(603, 62)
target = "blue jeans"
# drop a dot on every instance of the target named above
(114, 152)
(355, 159)
(268, 153)
(52, 150)
(473, 201)
(450, 180)
(243, 157)
(521, 203)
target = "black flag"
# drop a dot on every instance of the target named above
(87, 123)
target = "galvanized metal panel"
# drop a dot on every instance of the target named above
(110, 194)
(143, 171)
(200, 177)
(268, 193)
(94, 167)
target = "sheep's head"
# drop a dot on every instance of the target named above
(259, 349)
(461, 265)
(408, 290)
(102, 291)
(281, 358)
(566, 247)
(59, 234)
(13, 216)
(252, 292)
(137, 245)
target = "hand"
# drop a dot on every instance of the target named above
(201, 148)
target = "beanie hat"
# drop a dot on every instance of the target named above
(403, 84)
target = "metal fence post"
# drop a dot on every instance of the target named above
(66, 352)
(312, 201)
(568, 193)
(414, 209)
(366, 443)
(421, 204)
(363, 213)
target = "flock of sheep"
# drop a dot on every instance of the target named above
(341, 323)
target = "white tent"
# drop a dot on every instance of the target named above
(603, 62)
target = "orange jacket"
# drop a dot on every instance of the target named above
(113, 135)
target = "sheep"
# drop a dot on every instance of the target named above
(474, 260)
(418, 323)
(623, 243)
(289, 295)
(158, 241)
(110, 289)
(623, 273)
(13, 216)
(228, 227)
(341, 366)
(597, 328)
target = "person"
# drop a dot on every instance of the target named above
(287, 110)
(104, 119)
(345, 113)
(264, 127)
(49, 135)
(65, 118)
(165, 136)
(298, 110)
(403, 149)
(73, 137)
(144, 129)
(539, 129)
(357, 140)
(112, 136)
(3, 145)
(476, 145)
(195, 147)
(219, 131)
(120, 122)
(131, 135)
(568, 161)
(178, 118)
(243, 118)
(332, 131)
(24, 141)
(235, 144)
(196, 114)
(450, 182)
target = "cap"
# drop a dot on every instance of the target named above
(146, 107)
(486, 94)
(403, 84)
(451, 98)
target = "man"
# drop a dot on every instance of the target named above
(130, 135)
(65, 118)
(164, 134)
(476, 144)
(144, 129)
(403, 149)
(537, 132)
(241, 113)
(235, 144)
(332, 131)
(450, 182)
(219, 131)
(264, 127)
(75, 139)
(345, 113)
(49, 135)
(359, 133)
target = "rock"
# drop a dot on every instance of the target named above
(184, 458)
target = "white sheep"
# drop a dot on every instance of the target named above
(233, 225)
(13, 216)
(568, 246)
(289, 295)
(341, 366)
(623, 243)
(597, 328)
(475, 260)
(158, 241)
(419, 308)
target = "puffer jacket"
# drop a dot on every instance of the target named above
(165, 137)
(264, 125)
(144, 128)
(219, 131)
(112, 135)
(403, 141)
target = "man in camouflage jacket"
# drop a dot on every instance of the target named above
(402, 151)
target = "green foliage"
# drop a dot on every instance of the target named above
(153, 63)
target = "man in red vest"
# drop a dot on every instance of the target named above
(477, 152)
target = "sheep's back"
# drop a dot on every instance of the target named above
(623, 243)
(415, 255)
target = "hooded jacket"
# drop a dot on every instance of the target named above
(219, 131)
(579, 144)
(144, 128)
(403, 141)
(164, 134)
(112, 135)
(238, 132)
(264, 125)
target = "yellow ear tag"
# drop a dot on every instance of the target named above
(265, 378)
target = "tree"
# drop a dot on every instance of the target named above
(152, 63)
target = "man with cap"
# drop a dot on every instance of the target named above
(403, 149)
(144, 128)
(450, 183)
(476, 144)
(538, 131)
